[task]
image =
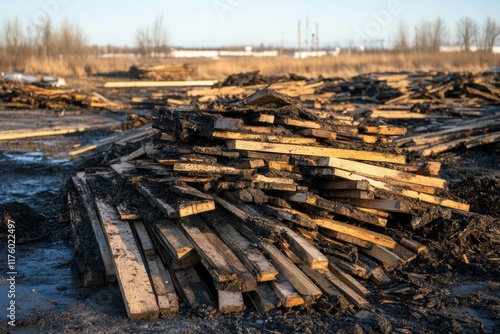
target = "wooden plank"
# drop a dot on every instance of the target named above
(131, 84)
(173, 300)
(263, 137)
(405, 254)
(191, 288)
(309, 254)
(230, 301)
(89, 272)
(226, 270)
(350, 281)
(188, 190)
(324, 284)
(385, 130)
(346, 184)
(134, 155)
(384, 256)
(382, 172)
(286, 292)
(179, 247)
(159, 286)
(246, 251)
(146, 243)
(299, 123)
(297, 278)
(413, 245)
(228, 124)
(87, 202)
(404, 192)
(355, 231)
(351, 295)
(348, 238)
(317, 151)
(137, 292)
(156, 202)
(388, 205)
(350, 194)
(264, 298)
(204, 168)
(127, 212)
(188, 208)
(317, 133)
(291, 215)
(336, 207)
(261, 118)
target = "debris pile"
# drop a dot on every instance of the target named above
(15, 95)
(260, 197)
(162, 72)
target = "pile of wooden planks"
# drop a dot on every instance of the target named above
(460, 133)
(162, 72)
(262, 198)
(15, 95)
(423, 90)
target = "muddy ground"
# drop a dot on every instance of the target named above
(439, 292)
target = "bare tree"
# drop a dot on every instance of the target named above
(438, 34)
(152, 40)
(46, 38)
(490, 34)
(13, 36)
(402, 42)
(429, 35)
(467, 31)
(422, 40)
(71, 40)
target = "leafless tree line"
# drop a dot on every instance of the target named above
(428, 35)
(42, 40)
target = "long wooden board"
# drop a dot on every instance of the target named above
(404, 192)
(317, 151)
(227, 271)
(87, 202)
(382, 172)
(137, 292)
(299, 280)
(131, 84)
(245, 250)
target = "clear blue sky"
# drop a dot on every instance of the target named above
(247, 22)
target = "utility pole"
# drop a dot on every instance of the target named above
(312, 42)
(300, 43)
(317, 37)
(282, 48)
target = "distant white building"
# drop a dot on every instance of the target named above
(247, 52)
(456, 48)
(311, 54)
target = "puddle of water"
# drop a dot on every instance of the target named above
(44, 279)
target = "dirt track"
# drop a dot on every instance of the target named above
(438, 292)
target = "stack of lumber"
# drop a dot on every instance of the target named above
(15, 95)
(454, 134)
(261, 198)
(162, 72)
(421, 91)
(255, 78)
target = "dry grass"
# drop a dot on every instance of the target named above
(350, 65)
(341, 66)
